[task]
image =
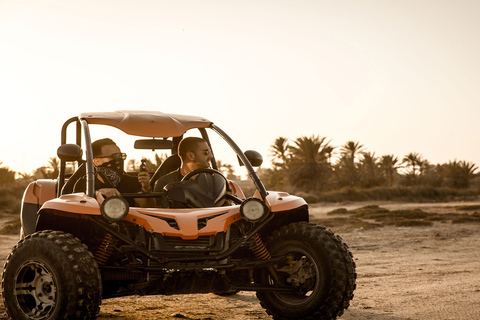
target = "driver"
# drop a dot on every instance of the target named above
(194, 153)
(110, 177)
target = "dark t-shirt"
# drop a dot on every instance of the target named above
(127, 184)
(173, 176)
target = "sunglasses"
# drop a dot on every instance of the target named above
(116, 156)
(205, 152)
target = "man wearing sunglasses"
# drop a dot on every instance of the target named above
(110, 178)
(194, 153)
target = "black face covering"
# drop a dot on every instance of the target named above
(112, 170)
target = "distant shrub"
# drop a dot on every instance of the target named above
(338, 211)
(11, 228)
(412, 223)
(400, 193)
(308, 197)
(10, 202)
(465, 218)
(467, 208)
(371, 212)
(11, 197)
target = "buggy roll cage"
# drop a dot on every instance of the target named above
(82, 123)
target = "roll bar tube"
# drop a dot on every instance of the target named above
(89, 156)
(251, 172)
(63, 140)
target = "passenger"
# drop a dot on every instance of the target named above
(110, 177)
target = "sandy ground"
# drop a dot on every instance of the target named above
(425, 273)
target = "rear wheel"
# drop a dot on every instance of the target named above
(317, 264)
(51, 275)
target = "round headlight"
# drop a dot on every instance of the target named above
(114, 208)
(253, 209)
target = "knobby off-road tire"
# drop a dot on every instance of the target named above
(51, 275)
(319, 264)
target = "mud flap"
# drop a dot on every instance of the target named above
(29, 217)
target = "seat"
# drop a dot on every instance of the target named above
(70, 184)
(170, 164)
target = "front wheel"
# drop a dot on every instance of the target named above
(317, 264)
(51, 275)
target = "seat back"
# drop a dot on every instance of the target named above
(170, 164)
(70, 184)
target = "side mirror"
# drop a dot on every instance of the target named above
(254, 157)
(69, 152)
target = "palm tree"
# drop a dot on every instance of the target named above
(309, 165)
(416, 166)
(25, 178)
(346, 168)
(369, 170)
(227, 170)
(458, 174)
(423, 166)
(412, 161)
(389, 166)
(279, 151)
(50, 171)
(350, 150)
(329, 153)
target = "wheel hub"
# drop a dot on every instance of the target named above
(301, 271)
(35, 290)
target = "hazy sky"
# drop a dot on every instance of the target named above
(397, 76)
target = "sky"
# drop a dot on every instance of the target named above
(395, 76)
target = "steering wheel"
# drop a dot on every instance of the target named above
(201, 188)
(228, 195)
(193, 173)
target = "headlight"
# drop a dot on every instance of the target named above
(114, 208)
(253, 209)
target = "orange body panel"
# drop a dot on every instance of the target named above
(236, 190)
(77, 203)
(40, 191)
(186, 219)
(282, 201)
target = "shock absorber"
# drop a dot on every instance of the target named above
(105, 249)
(259, 249)
(261, 252)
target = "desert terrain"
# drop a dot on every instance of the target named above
(414, 261)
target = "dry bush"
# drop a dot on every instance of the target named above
(308, 197)
(12, 227)
(412, 223)
(467, 208)
(466, 218)
(362, 217)
(345, 224)
(338, 211)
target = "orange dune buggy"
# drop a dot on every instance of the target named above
(79, 248)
